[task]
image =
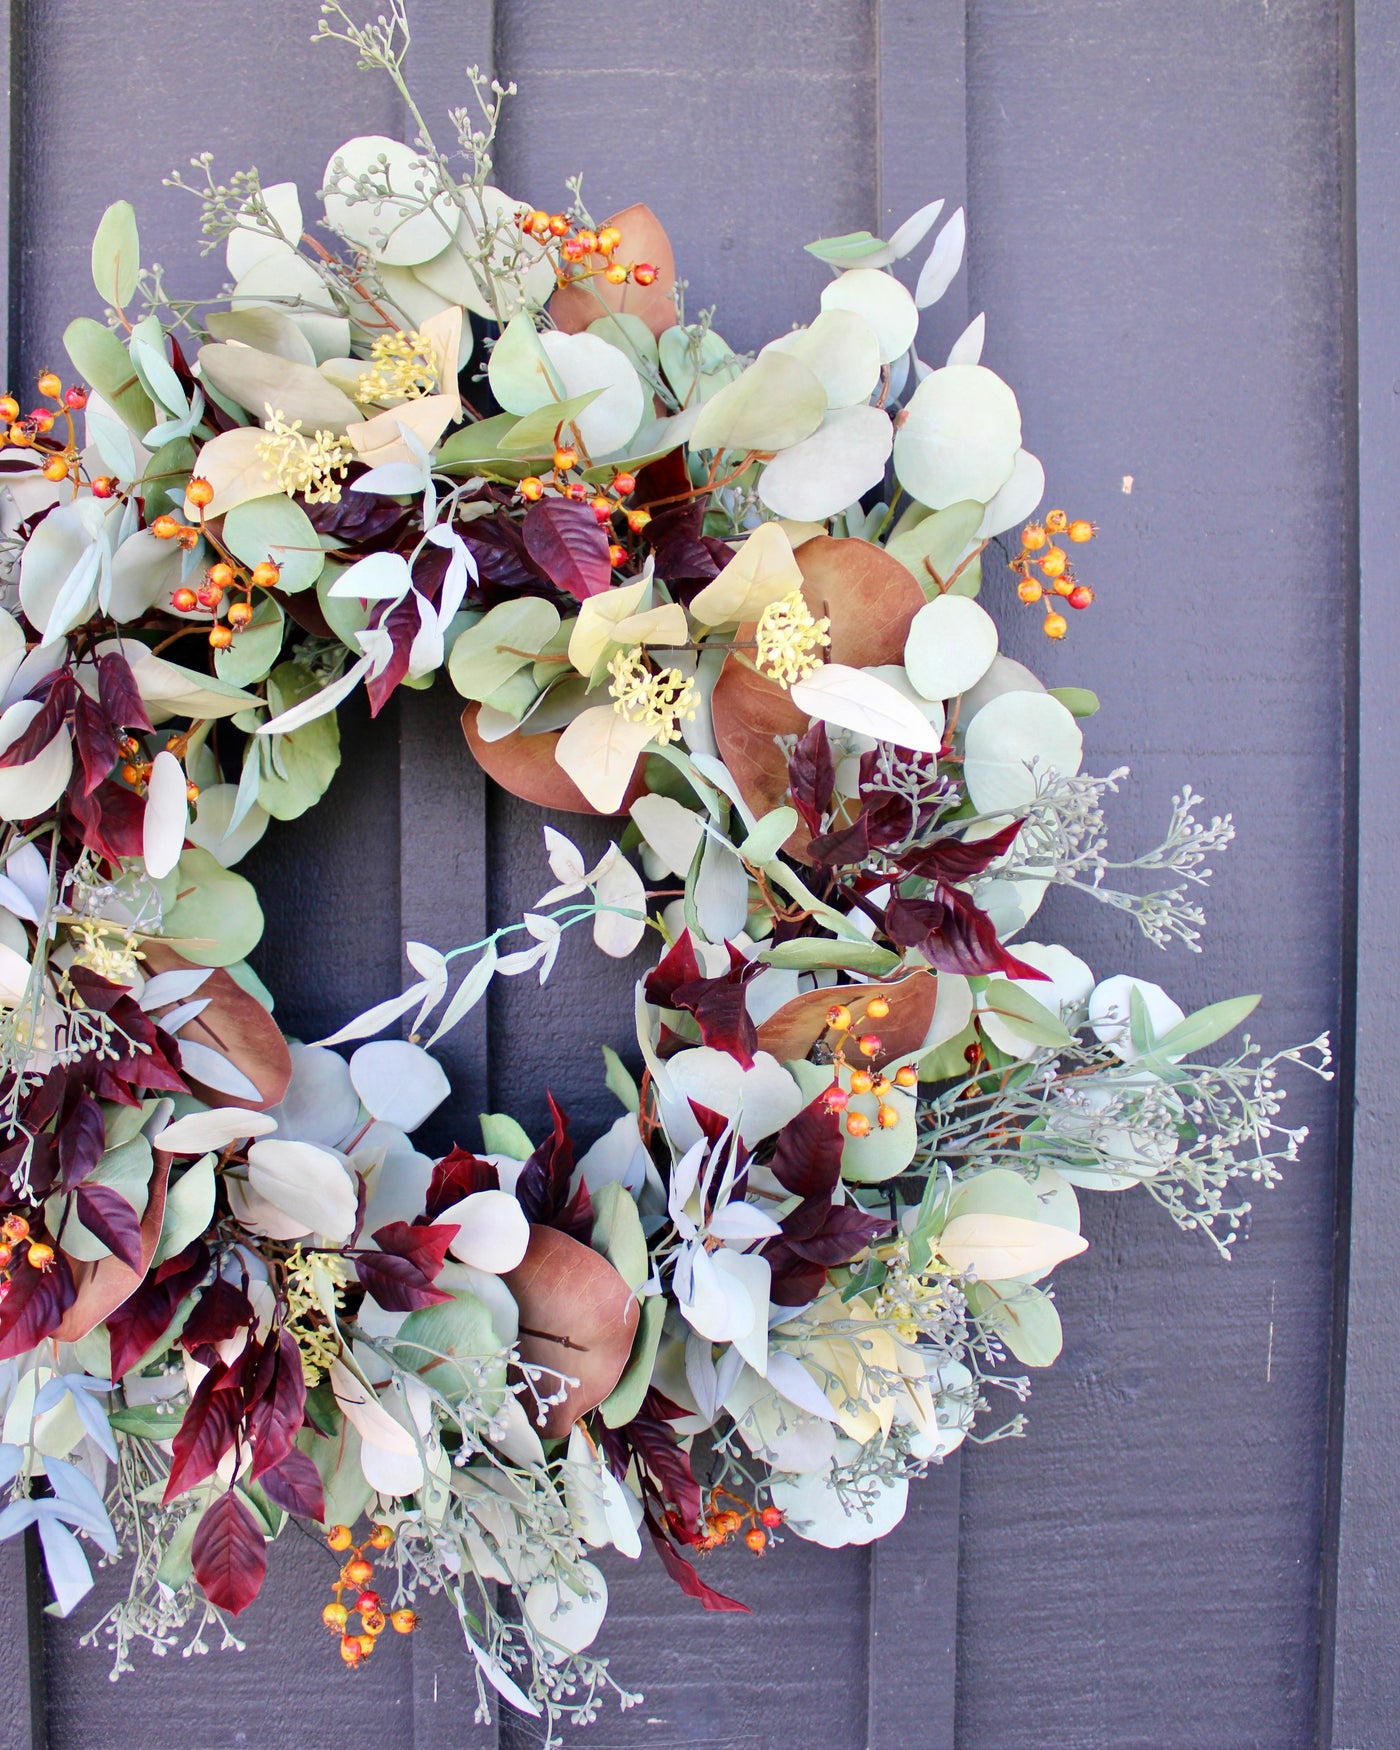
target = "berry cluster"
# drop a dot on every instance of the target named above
(31, 431)
(718, 1524)
(1039, 552)
(14, 1231)
(223, 577)
(606, 502)
(355, 1576)
(842, 1023)
(582, 253)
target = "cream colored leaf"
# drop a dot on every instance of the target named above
(860, 701)
(599, 750)
(763, 571)
(996, 1247)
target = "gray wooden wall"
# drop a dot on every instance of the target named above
(1162, 232)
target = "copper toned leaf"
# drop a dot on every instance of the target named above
(643, 240)
(791, 1031)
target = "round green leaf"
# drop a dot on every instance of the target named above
(776, 403)
(960, 437)
(216, 918)
(275, 528)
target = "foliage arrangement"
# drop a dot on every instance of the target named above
(734, 602)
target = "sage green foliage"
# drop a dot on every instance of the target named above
(297, 768)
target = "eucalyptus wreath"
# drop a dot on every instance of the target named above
(745, 606)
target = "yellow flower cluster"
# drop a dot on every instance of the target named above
(403, 369)
(305, 1321)
(312, 466)
(790, 640)
(660, 700)
(906, 1300)
(106, 949)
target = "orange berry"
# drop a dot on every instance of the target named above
(1080, 596)
(868, 1044)
(191, 793)
(539, 221)
(9, 408)
(532, 488)
(836, 1098)
(366, 1644)
(888, 1117)
(350, 1650)
(165, 528)
(50, 385)
(602, 508)
(728, 1522)
(587, 241)
(1033, 537)
(200, 493)
(132, 775)
(207, 596)
(624, 485)
(644, 273)
(1080, 531)
(1056, 625)
(103, 486)
(558, 224)
(75, 398)
(221, 575)
(838, 1017)
(338, 1537)
(404, 1621)
(188, 539)
(1062, 585)
(906, 1076)
(359, 1572)
(877, 1008)
(882, 1086)
(335, 1615)
(19, 437)
(370, 1601)
(756, 1540)
(56, 469)
(564, 459)
(1053, 561)
(617, 556)
(15, 1227)
(40, 418)
(608, 239)
(577, 490)
(40, 1255)
(1056, 521)
(220, 637)
(637, 520)
(374, 1622)
(265, 576)
(239, 614)
(861, 1081)
(772, 1517)
(184, 600)
(7, 1252)
(615, 274)
(381, 1537)
(1029, 590)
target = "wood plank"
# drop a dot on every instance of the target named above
(1158, 243)
(1361, 1646)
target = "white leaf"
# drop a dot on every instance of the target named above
(1016, 500)
(995, 1247)
(915, 228)
(787, 1375)
(366, 1414)
(398, 1082)
(620, 886)
(380, 577)
(856, 700)
(841, 350)
(213, 1070)
(500, 1679)
(468, 993)
(599, 750)
(959, 437)
(741, 1222)
(721, 892)
(174, 987)
(828, 471)
(882, 301)
(374, 1020)
(197, 1132)
(30, 790)
(967, 348)
(717, 1305)
(945, 258)
(585, 362)
(670, 829)
(64, 1561)
(560, 1616)
(297, 716)
(166, 817)
(1012, 744)
(307, 1184)
(492, 1231)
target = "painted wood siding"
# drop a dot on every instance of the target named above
(1160, 232)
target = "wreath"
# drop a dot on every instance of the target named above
(737, 603)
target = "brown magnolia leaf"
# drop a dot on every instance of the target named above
(577, 1316)
(643, 239)
(870, 600)
(235, 1024)
(791, 1031)
(103, 1286)
(525, 765)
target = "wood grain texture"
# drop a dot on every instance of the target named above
(1362, 1646)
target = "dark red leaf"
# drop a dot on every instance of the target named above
(147, 1314)
(121, 697)
(32, 1304)
(46, 723)
(110, 820)
(807, 1160)
(812, 776)
(847, 845)
(951, 859)
(96, 739)
(229, 1555)
(458, 1175)
(843, 1232)
(676, 967)
(952, 934)
(543, 1186)
(716, 1003)
(397, 1283)
(279, 1409)
(222, 1309)
(401, 623)
(295, 1485)
(688, 1580)
(569, 545)
(105, 1213)
(663, 1466)
(207, 1432)
(81, 1141)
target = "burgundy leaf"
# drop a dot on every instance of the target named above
(505, 568)
(121, 697)
(423, 1246)
(229, 1555)
(81, 1141)
(96, 739)
(952, 935)
(807, 1160)
(207, 1431)
(716, 1003)
(222, 1309)
(401, 623)
(47, 722)
(649, 1441)
(110, 821)
(147, 1315)
(844, 1232)
(676, 967)
(570, 545)
(455, 1176)
(295, 1485)
(951, 859)
(396, 1283)
(847, 845)
(276, 1415)
(359, 519)
(32, 1304)
(543, 1186)
(812, 776)
(105, 1213)
(688, 1580)
(796, 1281)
